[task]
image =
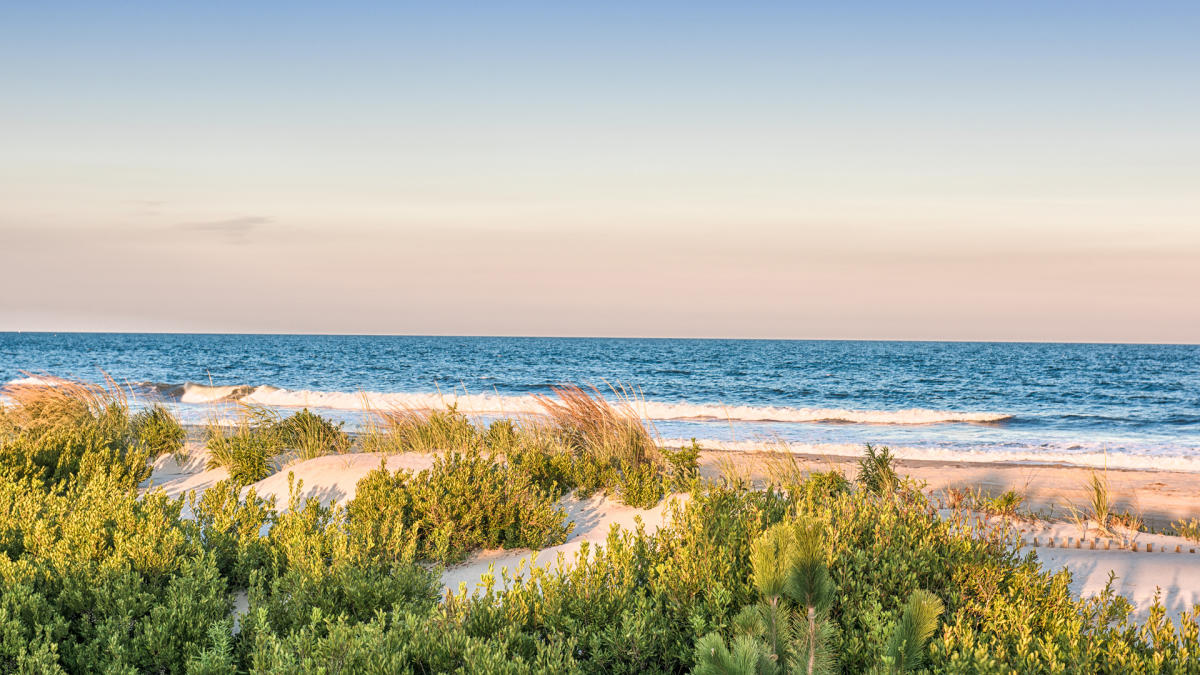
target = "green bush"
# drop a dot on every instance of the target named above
(230, 526)
(318, 567)
(463, 502)
(407, 643)
(684, 465)
(821, 486)
(790, 627)
(547, 464)
(640, 486)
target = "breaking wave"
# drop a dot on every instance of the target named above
(494, 404)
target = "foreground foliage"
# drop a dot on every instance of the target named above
(816, 571)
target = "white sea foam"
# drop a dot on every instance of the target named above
(493, 404)
(33, 381)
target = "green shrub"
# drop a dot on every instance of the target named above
(463, 502)
(231, 528)
(407, 642)
(554, 468)
(821, 486)
(790, 627)
(640, 486)
(684, 465)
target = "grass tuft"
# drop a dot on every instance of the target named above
(248, 448)
(415, 430)
(877, 471)
(1188, 529)
(311, 435)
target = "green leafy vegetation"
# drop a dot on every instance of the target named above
(819, 575)
(462, 503)
(1005, 504)
(684, 464)
(249, 447)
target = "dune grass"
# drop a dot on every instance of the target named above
(59, 403)
(252, 445)
(415, 430)
(158, 429)
(1188, 529)
(582, 441)
(58, 430)
(310, 436)
(1098, 512)
(247, 447)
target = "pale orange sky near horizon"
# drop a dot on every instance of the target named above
(1006, 173)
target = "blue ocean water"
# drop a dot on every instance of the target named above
(1113, 404)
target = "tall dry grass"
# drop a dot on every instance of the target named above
(56, 402)
(56, 430)
(419, 430)
(611, 432)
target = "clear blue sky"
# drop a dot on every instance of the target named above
(891, 170)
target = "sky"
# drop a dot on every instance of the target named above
(937, 170)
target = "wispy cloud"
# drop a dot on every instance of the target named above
(233, 229)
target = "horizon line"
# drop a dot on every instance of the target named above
(606, 337)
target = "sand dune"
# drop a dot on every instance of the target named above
(594, 517)
(1139, 574)
(329, 478)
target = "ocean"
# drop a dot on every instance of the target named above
(1115, 405)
